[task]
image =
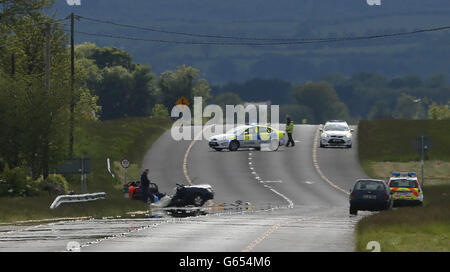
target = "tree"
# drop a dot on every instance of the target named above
(35, 115)
(160, 111)
(409, 107)
(439, 112)
(13, 11)
(114, 92)
(380, 110)
(407, 81)
(257, 89)
(297, 113)
(184, 81)
(322, 99)
(123, 87)
(227, 99)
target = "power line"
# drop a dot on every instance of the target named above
(216, 36)
(289, 42)
(284, 40)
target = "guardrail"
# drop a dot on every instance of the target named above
(76, 198)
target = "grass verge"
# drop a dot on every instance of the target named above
(114, 139)
(386, 146)
(410, 229)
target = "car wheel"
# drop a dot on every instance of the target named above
(353, 211)
(321, 145)
(198, 200)
(218, 149)
(234, 145)
(349, 146)
(274, 145)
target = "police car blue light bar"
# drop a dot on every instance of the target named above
(398, 174)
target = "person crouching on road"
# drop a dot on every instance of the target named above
(145, 183)
(289, 130)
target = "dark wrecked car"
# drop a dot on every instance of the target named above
(184, 195)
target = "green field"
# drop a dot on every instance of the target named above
(385, 146)
(115, 139)
(392, 140)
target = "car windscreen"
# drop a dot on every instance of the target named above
(368, 185)
(336, 127)
(405, 183)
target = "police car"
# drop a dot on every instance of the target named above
(405, 189)
(336, 133)
(248, 136)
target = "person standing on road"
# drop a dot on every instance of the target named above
(145, 183)
(289, 130)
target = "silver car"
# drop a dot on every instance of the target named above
(336, 133)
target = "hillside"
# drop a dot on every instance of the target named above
(423, 54)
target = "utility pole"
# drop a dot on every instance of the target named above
(72, 83)
(47, 57)
(46, 151)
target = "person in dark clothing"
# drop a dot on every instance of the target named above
(289, 130)
(145, 183)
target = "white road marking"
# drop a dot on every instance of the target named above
(196, 138)
(291, 204)
(316, 165)
(273, 181)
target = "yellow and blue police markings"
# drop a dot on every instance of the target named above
(405, 189)
(250, 136)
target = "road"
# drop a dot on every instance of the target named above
(298, 197)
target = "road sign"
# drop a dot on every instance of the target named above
(427, 144)
(182, 101)
(125, 163)
(74, 166)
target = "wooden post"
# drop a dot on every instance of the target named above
(46, 142)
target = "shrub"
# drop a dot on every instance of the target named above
(53, 185)
(15, 182)
(2, 164)
(160, 111)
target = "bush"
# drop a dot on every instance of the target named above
(160, 111)
(15, 182)
(2, 164)
(53, 185)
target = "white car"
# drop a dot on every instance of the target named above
(336, 133)
(248, 136)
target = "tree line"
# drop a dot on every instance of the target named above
(364, 95)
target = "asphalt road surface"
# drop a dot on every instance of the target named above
(296, 200)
